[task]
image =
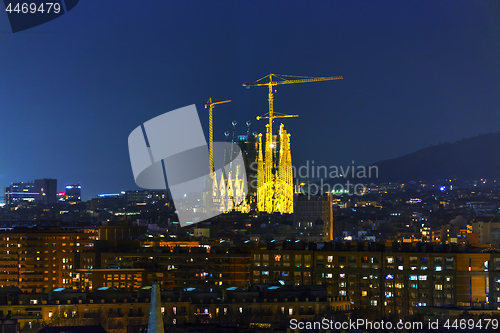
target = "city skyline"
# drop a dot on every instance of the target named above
(414, 75)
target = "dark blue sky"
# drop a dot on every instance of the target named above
(415, 73)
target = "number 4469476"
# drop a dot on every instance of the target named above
(32, 8)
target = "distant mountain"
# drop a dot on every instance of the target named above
(467, 159)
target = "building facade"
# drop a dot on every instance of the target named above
(47, 191)
(314, 211)
(20, 192)
(389, 279)
(40, 259)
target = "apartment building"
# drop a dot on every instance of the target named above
(196, 267)
(119, 310)
(34, 259)
(391, 278)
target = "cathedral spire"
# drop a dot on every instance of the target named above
(155, 321)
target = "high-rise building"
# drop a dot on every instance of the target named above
(311, 210)
(46, 190)
(73, 192)
(33, 259)
(488, 231)
(20, 192)
(40, 191)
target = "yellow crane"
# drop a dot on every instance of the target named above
(210, 105)
(283, 79)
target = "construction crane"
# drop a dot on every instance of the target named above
(210, 105)
(275, 178)
(283, 79)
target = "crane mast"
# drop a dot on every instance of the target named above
(210, 105)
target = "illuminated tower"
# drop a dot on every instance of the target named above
(274, 174)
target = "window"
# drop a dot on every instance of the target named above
(286, 257)
(375, 262)
(438, 264)
(449, 263)
(298, 260)
(307, 260)
(389, 263)
(342, 261)
(329, 263)
(423, 263)
(352, 261)
(319, 261)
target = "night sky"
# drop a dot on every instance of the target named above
(415, 73)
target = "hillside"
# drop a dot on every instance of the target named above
(472, 158)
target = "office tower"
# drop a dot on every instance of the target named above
(73, 192)
(46, 190)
